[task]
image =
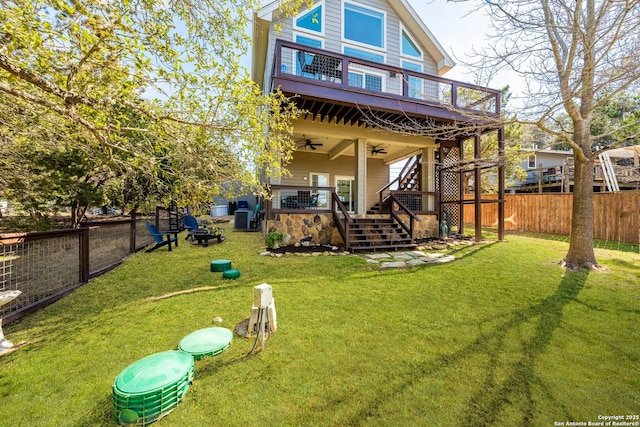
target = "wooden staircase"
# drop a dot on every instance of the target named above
(370, 234)
(408, 180)
(387, 232)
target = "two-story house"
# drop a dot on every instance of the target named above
(368, 74)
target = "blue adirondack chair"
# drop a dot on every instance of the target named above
(200, 232)
(161, 237)
(192, 226)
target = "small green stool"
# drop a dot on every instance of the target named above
(230, 274)
(220, 265)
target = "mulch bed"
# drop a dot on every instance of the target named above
(306, 249)
(327, 248)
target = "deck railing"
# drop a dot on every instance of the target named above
(420, 202)
(341, 218)
(303, 63)
(298, 199)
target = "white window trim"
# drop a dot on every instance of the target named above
(413, 62)
(322, 21)
(420, 92)
(405, 56)
(356, 44)
(320, 173)
(307, 35)
(384, 54)
(535, 161)
(313, 36)
(322, 203)
(382, 75)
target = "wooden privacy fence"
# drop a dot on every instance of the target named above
(616, 215)
(47, 265)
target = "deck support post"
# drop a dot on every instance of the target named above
(361, 176)
(477, 185)
(501, 196)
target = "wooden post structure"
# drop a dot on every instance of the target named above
(84, 255)
(477, 185)
(539, 179)
(501, 197)
(132, 232)
(461, 186)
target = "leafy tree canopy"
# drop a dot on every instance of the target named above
(152, 90)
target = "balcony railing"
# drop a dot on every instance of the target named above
(298, 199)
(325, 68)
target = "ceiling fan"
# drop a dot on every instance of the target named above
(376, 149)
(308, 144)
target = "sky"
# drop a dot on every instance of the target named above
(459, 29)
(455, 27)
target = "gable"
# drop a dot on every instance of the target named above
(324, 26)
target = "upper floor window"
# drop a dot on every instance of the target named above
(409, 47)
(532, 161)
(359, 53)
(416, 84)
(304, 57)
(364, 26)
(308, 41)
(310, 20)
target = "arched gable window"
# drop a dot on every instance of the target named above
(410, 47)
(311, 20)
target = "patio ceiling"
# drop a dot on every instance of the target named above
(338, 140)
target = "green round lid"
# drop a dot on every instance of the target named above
(206, 342)
(154, 372)
(220, 265)
(230, 274)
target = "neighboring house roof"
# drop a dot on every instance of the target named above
(403, 9)
(545, 151)
(625, 152)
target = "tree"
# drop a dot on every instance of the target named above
(575, 57)
(152, 89)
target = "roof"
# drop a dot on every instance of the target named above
(625, 152)
(547, 151)
(406, 14)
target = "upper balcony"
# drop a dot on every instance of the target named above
(341, 88)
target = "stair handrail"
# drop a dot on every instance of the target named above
(401, 176)
(343, 228)
(412, 216)
(384, 192)
(409, 166)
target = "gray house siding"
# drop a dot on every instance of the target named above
(333, 38)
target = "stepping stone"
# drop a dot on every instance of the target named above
(393, 264)
(416, 253)
(415, 261)
(434, 256)
(378, 256)
(403, 257)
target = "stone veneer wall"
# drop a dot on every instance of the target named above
(323, 231)
(423, 229)
(294, 227)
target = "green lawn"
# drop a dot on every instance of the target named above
(500, 336)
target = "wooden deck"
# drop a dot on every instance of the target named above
(323, 88)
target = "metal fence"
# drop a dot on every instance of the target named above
(45, 266)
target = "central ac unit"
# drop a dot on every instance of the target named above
(242, 219)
